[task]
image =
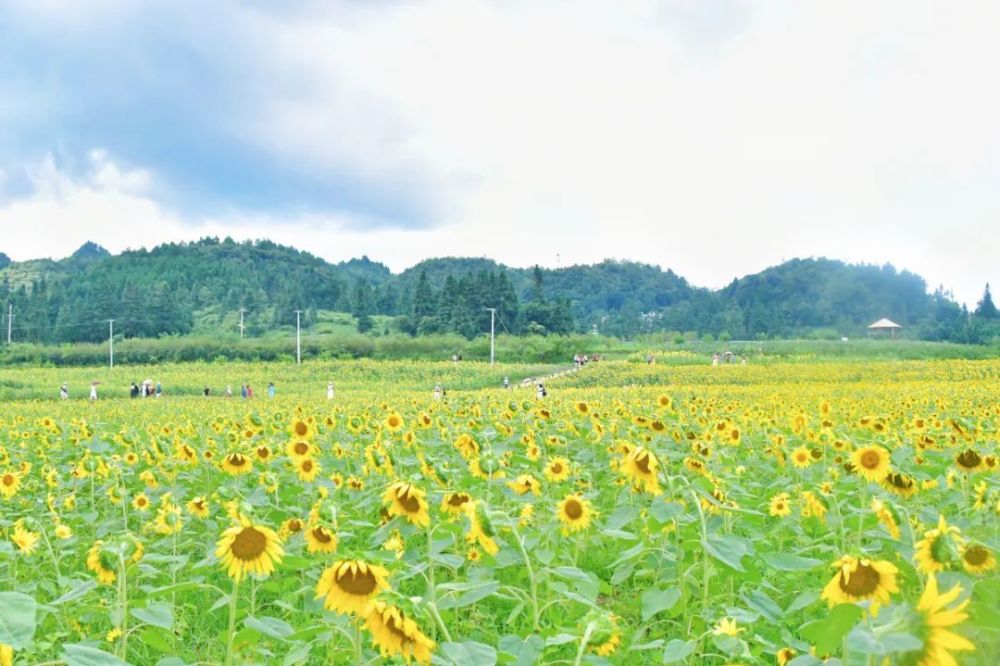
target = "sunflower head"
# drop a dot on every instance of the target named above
(249, 548)
(407, 500)
(575, 513)
(860, 579)
(349, 586)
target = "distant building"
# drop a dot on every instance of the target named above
(885, 325)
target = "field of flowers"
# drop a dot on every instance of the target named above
(639, 514)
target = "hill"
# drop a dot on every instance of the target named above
(201, 286)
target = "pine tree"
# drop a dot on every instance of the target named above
(986, 309)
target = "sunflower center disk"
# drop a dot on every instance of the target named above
(409, 503)
(574, 509)
(360, 584)
(863, 581)
(870, 460)
(642, 463)
(321, 535)
(976, 555)
(249, 544)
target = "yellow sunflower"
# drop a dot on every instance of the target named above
(969, 461)
(198, 507)
(938, 639)
(248, 548)
(871, 462)
(900, 484)
(859, 580)
(140, 502)
(307, 469)
(396, 634)
(319, 539)
(454, 503)
(407, 500)
(557, 469)
(350, 585)
(302, 429)
(780, 506)
(978, 559)
(574, 513)
(6, 655)
(784, 655)
(298, 449)
(237, 464)
(9, 483)
(25, 540)
(641, 466)
(101, 564)
(524, 484)
(394, 422)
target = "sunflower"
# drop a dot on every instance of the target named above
(198, 507)
(939, 547)
(727, 627)
(101, 563)
(454, 503)
(298, 449)
(9, 483)
(886, 517)
(350, 585)
(264, 453)
(25, 540)
(861, 579)
(978, 559)
(140, 502)
(871, 462)
(557, 469)
(574, 513)
(665, 401)
(63, 531)
(236, 464)
(320, 539)
(780, 506)
(394, 633)
(302, 429)
(939, 640)
(307, 469)
(608, 646)
(969, 461)
(290, 527)
(248, 548)
(642, 467)
(525, 484)
(784, 655)
(480, 529)
(900, 484)
(394, 422)
(407, 500)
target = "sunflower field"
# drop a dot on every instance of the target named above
(806, 513)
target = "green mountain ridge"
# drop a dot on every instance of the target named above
(177, 288)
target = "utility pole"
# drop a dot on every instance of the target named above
(10, 319)
(241, 323)
(493, 337)
(111, 343)
(298, 337)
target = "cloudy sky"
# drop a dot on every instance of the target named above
(713, 138)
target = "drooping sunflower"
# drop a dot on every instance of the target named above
(9, 483)
(198, 507)
(454, 503)
(939, 548)
(859, 580)
(237, 464)
(871, 462)
(101, 564)
(524, 484)
(978, 559)
(900, 484)
(407, 500)
(25, 540)
(319, 539)
(642, 467)
(574, 513)
(480, 529)
(939, 641)
(249, 548)
(969, 460)
(557, 469)
(394, 633)
(886, 517)
(350, 585)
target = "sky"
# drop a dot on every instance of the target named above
(712, 138)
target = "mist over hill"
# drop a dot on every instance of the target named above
(178, 288)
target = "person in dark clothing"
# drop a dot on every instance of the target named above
(134, 391)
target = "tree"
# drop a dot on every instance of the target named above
(986, 309)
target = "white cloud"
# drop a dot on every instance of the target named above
(714, 139)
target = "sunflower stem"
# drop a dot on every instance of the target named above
(358, 657)
(123, 603)
(588, 632)
(531, 578)
(231, 632)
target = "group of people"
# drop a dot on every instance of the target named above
(580, 360)
(727, 357)
(64, 391)
(148, 390)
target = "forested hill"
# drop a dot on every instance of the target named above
(203, 285)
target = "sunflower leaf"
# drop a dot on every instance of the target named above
(654, 601)
(825, 635)
(17, 619)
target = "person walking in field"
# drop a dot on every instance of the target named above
(93, 391)
(270, 390)
(64, 392)
(329, 390)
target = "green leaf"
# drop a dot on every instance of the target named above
(17, 619)
(75, 592)
(586, 583)
(560, 639)
(789, 562)
(525, 651)
(805, 599)
(654, 601)
(270, 626)
(76, 654)
(827, 634)
(469, 653)
(470, 593)
(728, 549)
(676, 650)
(158, 615)
(157, 639)
(763, 604)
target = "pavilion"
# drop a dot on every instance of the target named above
(885, 325)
